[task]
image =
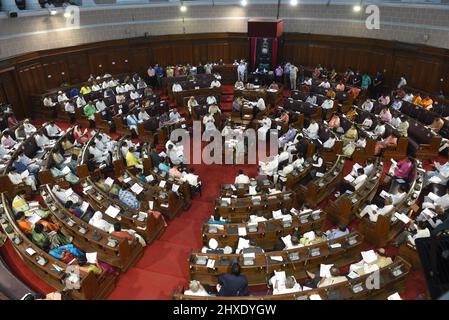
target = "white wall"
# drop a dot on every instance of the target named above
(33, 31)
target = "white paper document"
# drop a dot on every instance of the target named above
(162, 183)
(149, 178)
(91, 257)
(174, 187)
(136, 188)
(242, 231)
(109, 181)
(325, 270)
(369, 256)
(112, 211)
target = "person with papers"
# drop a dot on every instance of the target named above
(42, 141)
(438, 176)
(53, 131)
(98, 222)
(282, 284)
(341, 231)
(433, 217)
(269, 168)
(128, 198)
(413, 232)
(24, 177)
(352, 184)
(312, 130)
(291, 242)
(190, 177)
(371, 261)
(374, 211)
(99, 156)
(288, 136)
(175, 154)
(329, 275)
(65, 195)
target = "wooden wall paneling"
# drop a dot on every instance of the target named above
(10, 93)
(200, 53)
(32, 78)
(239, 50)
(56, 73)
(139, 59)
(99, 62)
(78, 66)
(182, 53)
(217, 51)
(119, 61)
(162, 55)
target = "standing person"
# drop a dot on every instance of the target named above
(159, 74)
(232, 284)
(287, 74)
(279, 72)
(151, 76)
(293, 76)
(241, 71)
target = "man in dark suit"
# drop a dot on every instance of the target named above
(232, 284)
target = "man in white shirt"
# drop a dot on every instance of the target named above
(80, 102)
(402, 82)
(130, 87)
(431, 201)
(176, 87)
(53, 131)
(17, 179)
(308, 81)
(241, 178)
(312, 130)
(143, 115)
(42, 141)
(175, 154)
(438, 176)
(211, 100)
(99, 155)
(190, 177)
(174, 115)
(327, 104)
(48, 102)
(134, 95)
(62, 97)
(395, 121)
(196, 289)
(265, 127)
(397, 104)
(112, 83)
(408, 97)
(293, 76)
(368, 105)
(284, 285)
(241, 69)
(367, 123)
(311, 99)
(379, 130)
(341, 231)
(215, 84)
(100, 105)
(28, 127)
(325, 84)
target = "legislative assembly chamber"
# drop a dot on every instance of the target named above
(224, 150)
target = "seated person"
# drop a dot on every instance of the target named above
(192, 103)
(16, 178)
(98, 222)
(128, 197)
(239, 85)
(341, 231)
(53, 131)
(132, 160)
(164, 166)
(288, 285)
(47, 241)
(131, 235)
(253, 248)
(437, 124)
(390, 141)
(174, 115)
(361, 267)
(7, 141)
(374, 211)
(288, 136)
(440, 174)
(412, 232)
(317, 282)
(385, 115)
(196, 289)
(232, 284)
(241, 178)
(174, 172)
(354, 185)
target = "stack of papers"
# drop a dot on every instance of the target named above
(109, 181)
(136, 188)
(91, 257)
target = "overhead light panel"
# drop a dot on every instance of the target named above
(243, 3)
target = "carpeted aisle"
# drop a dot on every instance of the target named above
(164, 265)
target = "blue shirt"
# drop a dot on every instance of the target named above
(129, 199)
(164, 167)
